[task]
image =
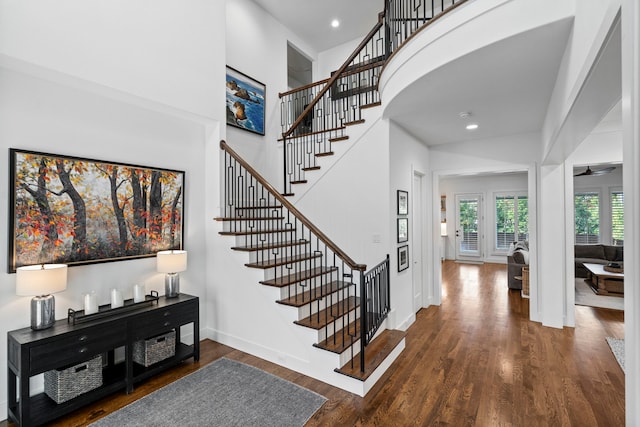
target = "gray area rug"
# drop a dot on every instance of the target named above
(617, 347)
(223, 393)
(586, 296)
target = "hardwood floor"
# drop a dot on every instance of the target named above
(475, 360)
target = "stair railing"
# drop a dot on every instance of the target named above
(299, 258)
(375, 292)
(316, 115)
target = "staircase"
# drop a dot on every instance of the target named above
(343, 306)
(334, 297)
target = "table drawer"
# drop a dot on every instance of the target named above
(75, 348)
(159, 321)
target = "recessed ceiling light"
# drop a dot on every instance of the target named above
(335, 23)
(472, 126)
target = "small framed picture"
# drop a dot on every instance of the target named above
(403, 230)
(403, 258)
(403, 202)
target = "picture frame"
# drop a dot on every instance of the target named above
(403, 202)
(403, 230)
(245, 101)
(75, 211)
(403, 258)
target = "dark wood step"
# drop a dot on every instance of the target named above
(355, 122)
(269, 245)
(341, 340)
(373, 104)
(288, 194)
(314, 294)
(323, 318)
(249, 218)
(275, 262)
(375, 353)
(301, 181)
(255, 232)
(311, 168)
(328, 153)
(298, 277)
(339, 138)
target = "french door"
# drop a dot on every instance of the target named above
(468, 226)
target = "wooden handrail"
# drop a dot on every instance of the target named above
(301, 88)
(336, 75)
(287, 204)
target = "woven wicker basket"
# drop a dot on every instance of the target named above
(65, 384)
(153, 350)
(525, 281)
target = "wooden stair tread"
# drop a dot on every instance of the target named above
(297, 277)
(270, 245)
(328, 315)
(288, 194)
(373, 104)
(302, 181)
(311, 168)
(252, 218)
(375, 353)
(328, 153)
(341, 341)
(251, 232)
(314, 294)
(339, 138)
(283, 261)
(355, 122)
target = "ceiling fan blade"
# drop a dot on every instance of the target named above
(603, 171)
(585, 173)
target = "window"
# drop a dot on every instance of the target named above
(617, 217)
(512, 220)
(587, 217)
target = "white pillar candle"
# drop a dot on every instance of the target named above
(90, 303)
(116, 298)
(138, 293)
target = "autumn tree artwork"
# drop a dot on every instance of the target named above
(78, 211)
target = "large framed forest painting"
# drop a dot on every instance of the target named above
(76, 211)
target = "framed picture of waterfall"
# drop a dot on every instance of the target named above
(245, 99)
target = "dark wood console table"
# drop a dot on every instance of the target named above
(33, 352)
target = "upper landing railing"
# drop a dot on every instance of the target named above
(315, 116)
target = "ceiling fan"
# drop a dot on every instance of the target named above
(590, 172)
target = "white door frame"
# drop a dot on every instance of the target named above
(418, 213)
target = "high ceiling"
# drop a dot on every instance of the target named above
(311, 19)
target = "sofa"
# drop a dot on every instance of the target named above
(595, 254)
(517, 257)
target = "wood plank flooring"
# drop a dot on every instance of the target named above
(474, 361)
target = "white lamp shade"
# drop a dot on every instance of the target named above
(443, 229)
(171, 261)
(41, 279)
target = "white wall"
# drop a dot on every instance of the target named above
(161, 50)
(256, 45)
(137, 82)
(406, 156)
(331, 59)
(44, 116)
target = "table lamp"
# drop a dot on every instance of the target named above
(171, 263)
(41, 280)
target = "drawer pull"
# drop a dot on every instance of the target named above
(83, 350)
(83, 338)
(167, 313)
(167, 323)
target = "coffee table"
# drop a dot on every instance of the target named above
(605, 282)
